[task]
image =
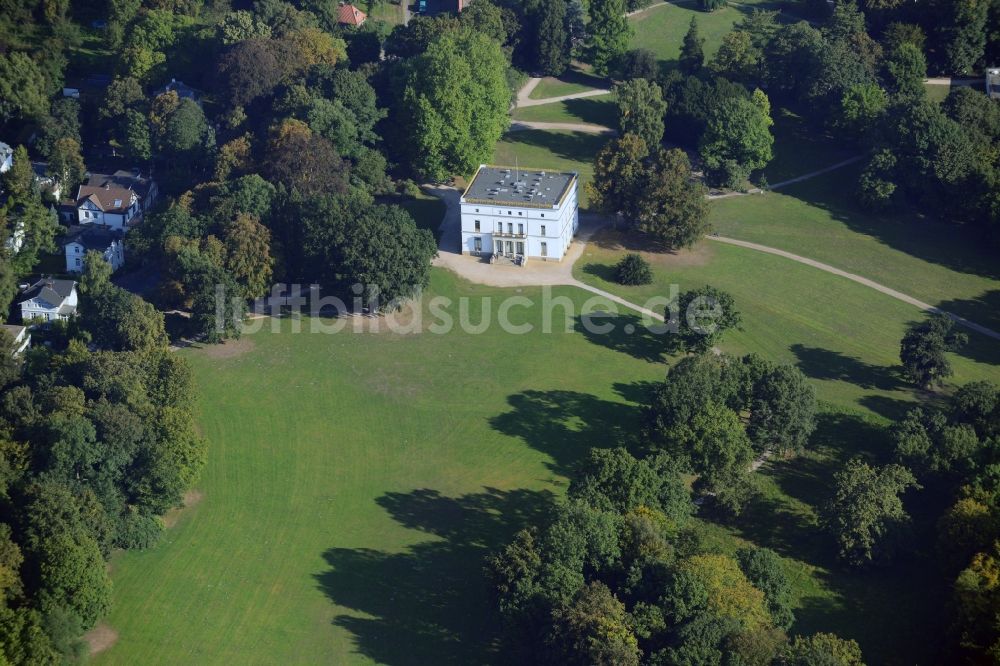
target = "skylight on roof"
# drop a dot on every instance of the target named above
(118, 202)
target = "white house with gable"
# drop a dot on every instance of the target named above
(48, 300)
(519, 214)
(81, 239)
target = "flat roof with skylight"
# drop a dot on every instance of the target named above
(513, 186)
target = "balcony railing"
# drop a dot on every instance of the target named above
(510, 234)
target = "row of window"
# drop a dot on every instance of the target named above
(510, 227)
(518, 212)
(509, 248)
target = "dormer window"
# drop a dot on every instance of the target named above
(118, 203)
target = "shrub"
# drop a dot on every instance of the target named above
(711, 5)
(633, 270)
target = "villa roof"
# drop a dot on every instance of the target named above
(92, 236)
(109, 199)
(52, 291)
(524, 188)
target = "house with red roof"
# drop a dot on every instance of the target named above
(350, 15)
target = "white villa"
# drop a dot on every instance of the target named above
(6, 157)
(20, 338)
(115, 200)
(48, 300)
(82, 238)
(519, 214)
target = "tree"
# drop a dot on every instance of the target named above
(782, 411)
(704, 315)
(640, 64)
(456, 100)
(115, 318)
(610, 33)
(861, 108)
(692, 50)
(66, 164)
(249, 70)
(303, 160)
(866, 514)
(711, 5)
(922, 350)
(737, 57)
(730, 594)
(241, 25)
(977, 596)
(135, 136)
(63, 122)
(248, 254)
(906, 69)
(721, 455)
(737, 139)
(618, 175)
(594, 629)
(672, 207)
(823, 650)
(19, 180)
(387, 254)
(552, 49)
(633, 270)
(24, 88)
(764, 569)
(613, 480)
(962, 32)
(640, 110)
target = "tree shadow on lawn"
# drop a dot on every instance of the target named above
(625, 333)
(566, 424)
(984, 310)
(572, 146)
(954, 246)
(827, 364)
(599, 111)
(432, 603)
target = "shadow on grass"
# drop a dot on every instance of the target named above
(599, 111)
(601, 271)
(431, 603)
(956, 247)
(984, 310)
(827, 364)
(572, 146)
(893, 409)
(625, 333)
(566, 424)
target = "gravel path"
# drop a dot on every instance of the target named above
(589, 128)
(888, 291)
(523, 101)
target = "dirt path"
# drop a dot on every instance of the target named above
(888, 291)
(522, 125)
(948, 81)
(790, 181)
(523, 101)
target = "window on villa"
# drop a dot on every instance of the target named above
(477, 244)
(78, 261)
(520, 228)
(543, 229)
(477, 225)
(500, 227)
(509, 213)
(545, 249)
(543, 214)
(510, 227)
(520, 213)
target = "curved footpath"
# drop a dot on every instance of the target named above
(540, 273)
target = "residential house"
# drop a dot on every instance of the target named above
(183, 91)
(48, 300)
(350, 15)
(20, 338)
(44, 182)
(519, 214)
(80, 239)
(117, 200)
(6, 157)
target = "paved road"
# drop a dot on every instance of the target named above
(888, 291)
(522, 125)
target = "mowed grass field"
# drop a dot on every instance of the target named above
(661, 29)
(355, 483)
(597, 110)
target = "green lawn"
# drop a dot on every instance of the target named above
(598, 110)
(573, 81)
(941, 264)
(937, 93)
(384, 10)
(356, 481)
(566, 151)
